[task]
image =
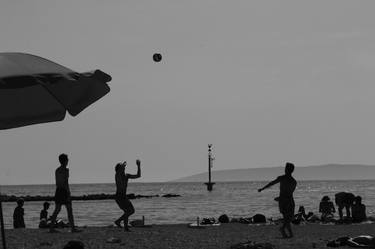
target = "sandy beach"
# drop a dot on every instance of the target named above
(180, 236)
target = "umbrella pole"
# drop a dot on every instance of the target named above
(2, 223)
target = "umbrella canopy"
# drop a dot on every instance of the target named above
(35, 90)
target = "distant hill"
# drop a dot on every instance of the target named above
(321, 172)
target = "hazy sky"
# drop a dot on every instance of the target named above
(264, 81)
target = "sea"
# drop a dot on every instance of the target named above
(236, 199)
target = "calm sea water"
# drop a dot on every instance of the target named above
(236, 199)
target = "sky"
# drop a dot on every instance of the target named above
(264, 81)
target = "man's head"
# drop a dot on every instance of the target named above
(358, 200)
(46, 205)
(289, 168)
(20, 202)
(325, 198)
(63, 159)
(120, 167)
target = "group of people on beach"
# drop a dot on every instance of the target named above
(355, 210)
(63, 197)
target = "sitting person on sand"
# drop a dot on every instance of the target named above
(327, 209)
(358, 210)
(18, 220)
(302, 216)
(43, 220)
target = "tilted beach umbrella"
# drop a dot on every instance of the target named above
(35, 90)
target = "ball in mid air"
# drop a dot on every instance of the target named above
(156, 57)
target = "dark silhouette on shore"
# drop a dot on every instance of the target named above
(286, 202)
(62, 194)
(358, 210)
(18, 220)
(344, 200)
(121, 187)
(43, 218)
(302, 215)
(327, 209)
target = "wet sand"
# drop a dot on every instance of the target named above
(180, 236)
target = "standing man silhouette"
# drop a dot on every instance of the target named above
(286, 202)
(62, 194)
(121, 186)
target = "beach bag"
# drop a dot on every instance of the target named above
(224, 218)
(259, 218)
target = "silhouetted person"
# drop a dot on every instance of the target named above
(62, 194)
(121, 186)
(18, 220)
(344, 200)
(327, 209)
(43, 219)
(301, 215)
(286, 202)
(358, 210)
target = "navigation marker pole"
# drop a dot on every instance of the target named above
(210, 160)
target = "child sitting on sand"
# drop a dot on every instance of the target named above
(327, 209)
(358, 210)
(43, 223)
(18, 221)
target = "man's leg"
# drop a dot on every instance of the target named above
(347, 207)
(54, 216)
(289, 227)
(129, 211)
(69, 209)
(340, 211)
(118, 221)
(120, 203)
(284, 225)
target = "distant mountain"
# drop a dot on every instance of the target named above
(321, 172)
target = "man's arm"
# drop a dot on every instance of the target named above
(130, 176)
(277, 180)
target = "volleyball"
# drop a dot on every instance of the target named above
(156, 57)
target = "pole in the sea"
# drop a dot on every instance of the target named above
(210, 160)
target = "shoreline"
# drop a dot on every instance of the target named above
(90, 197)
(180, 236)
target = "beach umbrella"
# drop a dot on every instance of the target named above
(35, 90)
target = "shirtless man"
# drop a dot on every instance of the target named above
(286, 202)
(121, 199)
(62, 194)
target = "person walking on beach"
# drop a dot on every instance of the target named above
(18, 220)
(121, 186)
(286, 202)
(62, 194)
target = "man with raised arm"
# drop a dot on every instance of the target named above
(286, 202)
(121, 186)
(62, 194)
